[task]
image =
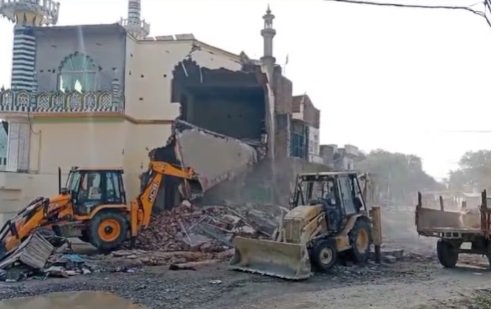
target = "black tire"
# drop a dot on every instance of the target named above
(447, 253)
(324, 254)
(360, 241)
(107, 230)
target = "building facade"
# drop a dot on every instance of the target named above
(340, 158)
(305, 129)
(87, 95)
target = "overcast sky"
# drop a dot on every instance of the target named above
(406, 80)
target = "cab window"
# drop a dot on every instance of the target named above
(113, 193)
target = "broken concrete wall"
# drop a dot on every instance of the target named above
(215, 157)
(234, 114)
(311, 113)
(283, 91)
(228, 102)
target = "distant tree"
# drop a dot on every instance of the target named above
(474, 172)
(396, 176)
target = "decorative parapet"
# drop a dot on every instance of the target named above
(59, 102)
(46, 9)
(141, 29)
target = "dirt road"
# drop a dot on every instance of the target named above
(411, 283)
(417, 281)
(445, 288)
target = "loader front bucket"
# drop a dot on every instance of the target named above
(272, 258)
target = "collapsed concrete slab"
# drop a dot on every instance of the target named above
(215, 157)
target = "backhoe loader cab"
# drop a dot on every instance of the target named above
(334, 188)
(90, 188)
(328, 219)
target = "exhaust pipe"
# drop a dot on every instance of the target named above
(59, 180)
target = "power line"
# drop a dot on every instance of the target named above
(487, 6)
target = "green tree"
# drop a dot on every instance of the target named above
(396, 176)
(474, 172)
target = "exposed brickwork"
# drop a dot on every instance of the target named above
(311, 113)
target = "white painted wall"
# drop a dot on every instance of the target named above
(149, 74)
(112, 141)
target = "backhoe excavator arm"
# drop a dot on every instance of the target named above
(141, 208)
(38, 213)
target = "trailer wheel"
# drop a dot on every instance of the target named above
(107, 230)
(447, 253)
(360, 240)
(324, 254)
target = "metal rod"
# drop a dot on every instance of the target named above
(377, 254)
(59, 180)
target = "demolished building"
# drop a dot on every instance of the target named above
(87, 95)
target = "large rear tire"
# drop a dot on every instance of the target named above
(360, 240)
(324, 254)
(107, 230)
(447, 253)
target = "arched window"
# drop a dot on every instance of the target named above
(77, 73)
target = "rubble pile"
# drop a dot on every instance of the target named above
(122, 260)
(201, 229)
(59, 264)
(186, 237)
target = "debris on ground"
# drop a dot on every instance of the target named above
(389, 259)
(33, 252)
(203, 229)
(185, 238)
(193, 265)
(57, 265)
(389, 255)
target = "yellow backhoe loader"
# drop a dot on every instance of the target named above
(328, 219)
(93, 207)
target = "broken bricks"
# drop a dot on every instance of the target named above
(190, 228)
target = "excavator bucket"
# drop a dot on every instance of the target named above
(272, 258)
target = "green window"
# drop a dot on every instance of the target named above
(77, 73)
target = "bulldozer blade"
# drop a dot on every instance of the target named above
(272, 258)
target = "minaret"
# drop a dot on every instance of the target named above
(26, 14)
(136, 26)
(268, 34)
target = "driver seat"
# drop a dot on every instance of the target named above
(332, 212)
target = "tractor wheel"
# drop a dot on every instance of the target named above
(360, 240)
(447, 253)
(107, 230)
(324, 254)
